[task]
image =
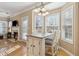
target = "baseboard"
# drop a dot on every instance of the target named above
(69, 53)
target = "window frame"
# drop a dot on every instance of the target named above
(34, 31)
(71, 7)
(54, 14)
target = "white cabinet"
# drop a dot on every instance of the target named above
(35, 46)
(29, 46)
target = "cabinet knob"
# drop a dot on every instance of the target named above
(33, 45)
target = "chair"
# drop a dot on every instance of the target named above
(48, 45)
(55, 45)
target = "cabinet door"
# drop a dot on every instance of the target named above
(42, 47)
(36, 51)
(29, 47)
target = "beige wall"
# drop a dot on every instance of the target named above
(76, 29)
(19, 18)
(69, 47)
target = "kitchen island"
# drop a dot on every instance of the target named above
(36, 44)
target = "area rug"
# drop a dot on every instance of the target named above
(10, 50)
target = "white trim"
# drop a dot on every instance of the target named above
(69, 53)
(68, 41)
(63, 30)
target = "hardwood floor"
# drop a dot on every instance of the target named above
(19, 52)
(22, 51)
(8, 44)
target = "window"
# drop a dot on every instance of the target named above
(68, 18)
(3, 27)
(38, 24)
(52, 22)
(48, 24)
(24, 27)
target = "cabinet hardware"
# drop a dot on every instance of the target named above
(33, 45)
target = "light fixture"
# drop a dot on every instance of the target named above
(42, 10)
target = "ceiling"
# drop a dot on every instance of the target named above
(12, 8)
(54, 5)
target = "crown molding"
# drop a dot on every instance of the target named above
(25, 10)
